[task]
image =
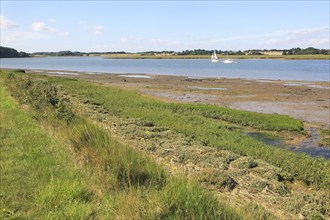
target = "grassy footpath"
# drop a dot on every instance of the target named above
(56, 165)
(196, 121)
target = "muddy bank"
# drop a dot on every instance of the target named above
(307, 101)
(312, 112)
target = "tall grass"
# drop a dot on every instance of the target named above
(129, 167)
(183, 196)
(38, 177)
(197, 121)
(84, 173)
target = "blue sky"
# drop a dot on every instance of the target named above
(134, 26)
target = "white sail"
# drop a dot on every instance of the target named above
(214, 57)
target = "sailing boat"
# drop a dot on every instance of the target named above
(228, 60)
(214, 57)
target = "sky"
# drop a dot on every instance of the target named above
(136, 26)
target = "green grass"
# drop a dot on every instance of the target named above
(56, 165)
(38, 177)
(244, 118)
(325, 137)
(197, 121)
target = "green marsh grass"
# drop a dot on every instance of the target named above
(73, 169)
(325, 137)
(198, 121)
(245, 118)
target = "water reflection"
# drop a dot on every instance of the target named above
(308, 146)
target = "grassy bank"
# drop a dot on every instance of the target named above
(289, 57)
(38, 177)
(197, 121)
(65, 167)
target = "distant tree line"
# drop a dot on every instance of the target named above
(307, 51)
(6, 52)
(208, 52)
(112, 52)
(75, 53)
(60, 53)
(293, 51)
(157, 52)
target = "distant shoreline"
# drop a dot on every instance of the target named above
(239, 57)
(286, 57)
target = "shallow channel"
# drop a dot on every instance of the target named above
(308, 146)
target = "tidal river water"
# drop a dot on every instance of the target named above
(307, 70)
(308, 146)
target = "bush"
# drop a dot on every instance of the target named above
(41, 95)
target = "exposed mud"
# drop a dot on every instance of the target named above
(308, 101)
(310, 112)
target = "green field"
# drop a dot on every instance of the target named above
(66, 166)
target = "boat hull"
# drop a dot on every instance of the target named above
(228, 61)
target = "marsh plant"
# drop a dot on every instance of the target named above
(209, 124)
(63, 166)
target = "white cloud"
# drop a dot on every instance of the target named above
(131, 39)
(138, 43)
(42, 27)
(6, 23)
(84, 24)
(123, 39)
(21, 36)
(165, 42)
(101, 47)
(309, 37)
(63, 34)
(309, 31)
(96, 29)
(39, 26)
(154, 41)
(283, 39)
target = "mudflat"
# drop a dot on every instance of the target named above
(305, 100)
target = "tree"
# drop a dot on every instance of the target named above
(6, 52)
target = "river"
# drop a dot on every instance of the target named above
(274, 69)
